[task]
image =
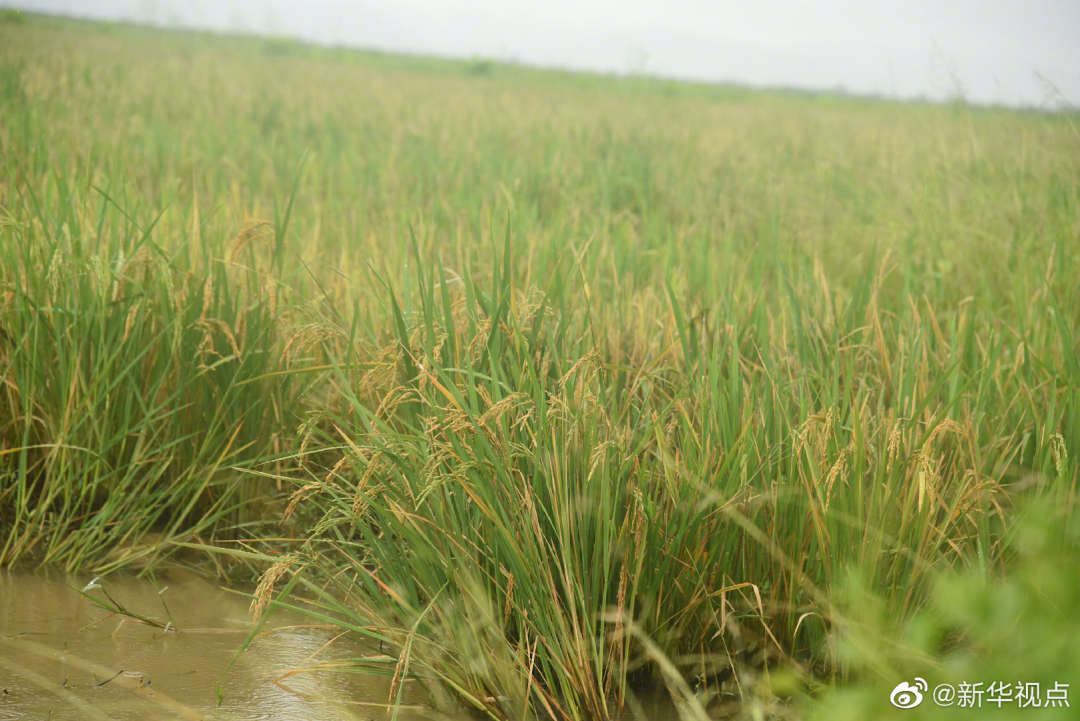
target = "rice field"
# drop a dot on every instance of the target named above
(569, 391)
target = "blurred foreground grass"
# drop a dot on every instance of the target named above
(563, 387)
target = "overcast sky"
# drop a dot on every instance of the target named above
(988, 50)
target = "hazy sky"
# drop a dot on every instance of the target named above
(988, 50)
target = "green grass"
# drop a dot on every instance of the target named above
(568, 388)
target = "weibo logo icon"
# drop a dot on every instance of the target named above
(908, 695)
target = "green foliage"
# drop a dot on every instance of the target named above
(11, 16)
(481, 66)
(1015, 625)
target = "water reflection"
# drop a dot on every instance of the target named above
(61, 657)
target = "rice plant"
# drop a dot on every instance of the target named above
(566, 391)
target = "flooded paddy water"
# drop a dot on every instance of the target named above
(63, 657)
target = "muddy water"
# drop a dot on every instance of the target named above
(62, 657)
